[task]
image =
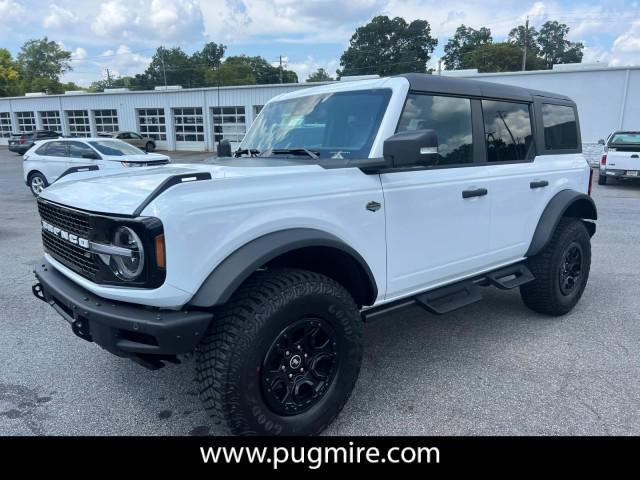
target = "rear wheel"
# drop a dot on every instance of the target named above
(602, 179)
(37, 183)
(561, 270)
(150, 147)
(282, 356)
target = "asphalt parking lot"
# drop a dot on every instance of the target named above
(494, 368)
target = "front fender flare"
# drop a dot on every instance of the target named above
(225, 279)
(566, 203)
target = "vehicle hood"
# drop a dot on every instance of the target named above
(123, 192)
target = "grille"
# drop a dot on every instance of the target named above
(64, 218)
(76, 258)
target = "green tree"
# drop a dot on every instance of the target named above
(319, 75)
(464, 41)
(178, 67)
(9, 75)
(499, 57)
(388, 46)
(41, 62)
(245, 70)
(554, 46)
(210, 55)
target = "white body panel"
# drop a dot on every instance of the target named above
(629, 161)
(425, 235)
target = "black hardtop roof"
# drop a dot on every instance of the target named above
(425, 82)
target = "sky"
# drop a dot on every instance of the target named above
(122, 35)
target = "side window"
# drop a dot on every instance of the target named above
(449, 117)
(560, 127)
(42, 150)
(123, 136)
(78, 149)
(56, 149)
(507, 130)
(135, 136)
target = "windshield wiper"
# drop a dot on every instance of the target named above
(293, 151)
(254, 152)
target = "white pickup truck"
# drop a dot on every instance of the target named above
(621, 157)
(344, 202)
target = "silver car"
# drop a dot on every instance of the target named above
(145, 143)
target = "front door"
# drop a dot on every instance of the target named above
(438, 218)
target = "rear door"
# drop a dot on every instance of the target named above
(438, 217)
(53, 161)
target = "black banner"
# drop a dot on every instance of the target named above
(323, 454)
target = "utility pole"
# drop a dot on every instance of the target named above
(280, 68)
(440, 66)
(524, 54)
(108, 73)
(164, 71)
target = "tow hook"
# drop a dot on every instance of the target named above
(38, 292)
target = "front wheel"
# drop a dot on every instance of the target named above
(561, 270)
(37, 183)
(282, 356)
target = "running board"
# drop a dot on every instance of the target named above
(452, 297)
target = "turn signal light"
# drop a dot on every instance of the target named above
(161, 259)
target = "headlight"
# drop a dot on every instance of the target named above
(127, 267)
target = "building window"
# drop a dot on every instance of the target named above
(560, 127)
(78, 121)
(50, 120)
(507, 128)
(152, 124)
(5, 125)
(188, 124)
(26, 121)
(229, 124)
(106, 121)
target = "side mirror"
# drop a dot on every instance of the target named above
(224, 148)
(601, 142)
(90, 156)
(413, 148)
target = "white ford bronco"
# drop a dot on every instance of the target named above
(343, 202)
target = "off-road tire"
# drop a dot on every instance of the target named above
(230, 357)
(602, 179)
(544, 294)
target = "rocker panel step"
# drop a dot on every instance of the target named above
(510, 277)
(447, 299)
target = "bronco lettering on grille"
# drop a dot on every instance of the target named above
(69, 237)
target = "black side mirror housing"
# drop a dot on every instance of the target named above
(90, 156)
(224, 148)
(601, 142)
(411, 149)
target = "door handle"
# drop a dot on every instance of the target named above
(478, 192)
(634, 156)
(538, 184)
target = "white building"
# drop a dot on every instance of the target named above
(196, 119)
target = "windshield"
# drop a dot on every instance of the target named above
(115, 148)
(625, 139)
(331, 125)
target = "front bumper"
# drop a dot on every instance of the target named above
(609, 172)
(145, 334)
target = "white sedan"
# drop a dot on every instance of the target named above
(48, 160)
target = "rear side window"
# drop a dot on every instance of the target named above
(507, 130)
(56, 149)
(449, 117)
(560, 127)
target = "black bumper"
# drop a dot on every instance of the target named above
(147, 335)
(21, 149)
